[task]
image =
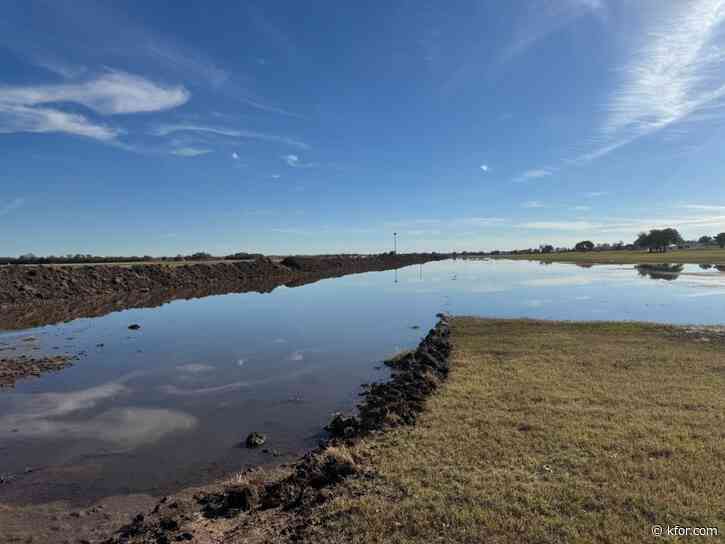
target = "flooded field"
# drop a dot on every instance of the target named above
(168, 405)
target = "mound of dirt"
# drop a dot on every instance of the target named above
(42, 284)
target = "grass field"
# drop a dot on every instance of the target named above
(549, 432)
(683, 256)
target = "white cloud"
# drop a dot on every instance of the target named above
(63, 69)
(672, 76)
(183, 60)
(235, 156)
(561, 280)
(190, 151)
(271, 109)
(294, 162)
(581, 208)
(10, 206)
(26, 109)
(559, 225)
(112, 93)
(595, 194)
(17, 118)
(533, 204)
(484, 167)
(630, 226)
(703, 207)
(478, 221)
(533, 174)
(195, 368)
(165, 130)
(275, 176)
(544, 18)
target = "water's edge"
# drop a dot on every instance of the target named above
(34, 296)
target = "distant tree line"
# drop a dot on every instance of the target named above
(655, 241)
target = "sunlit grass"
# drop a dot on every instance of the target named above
(550, 432)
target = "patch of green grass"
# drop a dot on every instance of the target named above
(685, 256)
(549, 432)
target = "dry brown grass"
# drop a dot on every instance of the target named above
(549, 432)
(681, 256)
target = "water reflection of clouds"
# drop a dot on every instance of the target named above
(50, 415)
(558, 291)
(483, 289)
(47, 405)
(226, 388)
(704, 294)
(195, 368)
(561, 280)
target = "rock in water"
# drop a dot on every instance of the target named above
(255, 439)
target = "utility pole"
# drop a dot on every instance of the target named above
(395, 243)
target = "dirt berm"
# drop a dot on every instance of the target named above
(23, 285)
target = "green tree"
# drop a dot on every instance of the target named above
(658, 239)
(720, 239)
(705, 240)
(643, 240)
(585, 245)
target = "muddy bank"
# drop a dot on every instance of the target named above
(40, 295)
(262, 507)
(23, 366)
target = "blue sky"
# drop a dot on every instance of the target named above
(164, 127)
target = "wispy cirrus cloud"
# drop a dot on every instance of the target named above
(629, 225)
(295, 162)
(545, 17)
(477, 221)
(262, 106)
(167, 129)
(190, 151)
(673, 76)
(18, 118)
(37, 108)
(536, 173)
(559, 225)
(110, 94)
(709, 207)
(530, 204)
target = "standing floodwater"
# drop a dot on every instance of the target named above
(168, 405)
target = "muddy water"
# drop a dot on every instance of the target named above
(166, 406)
